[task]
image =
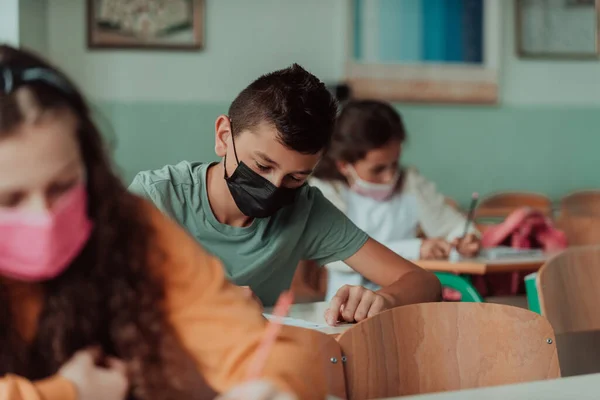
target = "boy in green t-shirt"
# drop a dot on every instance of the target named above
(255, 211)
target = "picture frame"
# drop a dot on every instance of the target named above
(146, 24)
(420, 81)
(557, 29)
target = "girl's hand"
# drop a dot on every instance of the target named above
(468, 246)
(435, 249)
(93, 382)
(256, 390)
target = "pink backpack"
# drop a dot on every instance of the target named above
(524, 228)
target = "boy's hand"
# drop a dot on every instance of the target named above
(435, 249)
(355, 304)
(467, 246)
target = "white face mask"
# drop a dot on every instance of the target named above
(376, 191)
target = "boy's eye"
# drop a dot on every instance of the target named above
(262, 168)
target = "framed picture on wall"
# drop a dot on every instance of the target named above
(424, 51)
(557, 29)
(146, 24)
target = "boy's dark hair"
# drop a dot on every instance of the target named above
(363, 125)
(296, 102)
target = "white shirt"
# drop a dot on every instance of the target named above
(393, 223)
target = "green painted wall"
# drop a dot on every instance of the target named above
(553, 150)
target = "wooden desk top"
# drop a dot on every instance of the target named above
(580, 387)
(482, 266)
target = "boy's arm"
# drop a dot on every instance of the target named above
(330, 236)
(410, 284)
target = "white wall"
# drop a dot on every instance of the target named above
(529, 82)
(9, 22)
(244, 39)
(247, 38)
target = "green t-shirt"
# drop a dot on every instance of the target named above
(265, 254)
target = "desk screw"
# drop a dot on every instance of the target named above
(344, 359)
(333, 360)
(549, 341)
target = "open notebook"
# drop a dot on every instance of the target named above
(502, 252)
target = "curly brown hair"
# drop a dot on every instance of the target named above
(107, 297)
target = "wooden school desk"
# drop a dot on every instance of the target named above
(449, 271)
(584, 387)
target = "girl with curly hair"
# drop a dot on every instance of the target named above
(101, 296)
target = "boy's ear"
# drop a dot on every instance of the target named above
(222, 135)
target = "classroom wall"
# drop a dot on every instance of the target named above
(161, 106)
(33, 25)
(9, 22)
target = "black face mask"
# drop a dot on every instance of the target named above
(254, 195)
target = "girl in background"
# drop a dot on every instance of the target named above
(103, 297)
(362, 176)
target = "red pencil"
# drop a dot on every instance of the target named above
(281, 310)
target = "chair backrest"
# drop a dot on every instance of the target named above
(569, 289)
(328, 353)
(435, 347)
(581, 203)
(581, 229)
(504, 203)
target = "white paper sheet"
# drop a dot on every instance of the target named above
(298, 322)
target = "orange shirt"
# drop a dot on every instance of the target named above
(218, 326)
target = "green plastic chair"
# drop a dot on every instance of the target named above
(533, 299)
(462, 284)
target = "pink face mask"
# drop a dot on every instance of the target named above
(376, 191)
(40, 246)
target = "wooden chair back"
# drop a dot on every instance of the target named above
(581, 203)
(328, 354)
(569, 290)
(502, 204)
(436, 347)
(581, 229)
